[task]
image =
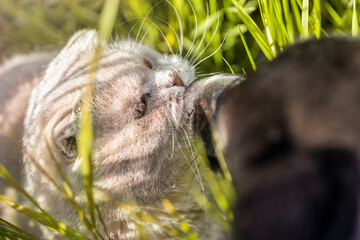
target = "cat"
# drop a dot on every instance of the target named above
(291, 135)
(18, 76)
(143, 115)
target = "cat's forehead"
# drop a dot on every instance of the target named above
(129, 47)
(121, 52)
(124, 52)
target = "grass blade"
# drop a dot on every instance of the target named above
(14, 232)
(335, 17)
(10, 179)
(217, 143)
(317, 17)
(217, 39)
(296, 13)
(270, 28)
(108, 17)
(247, 50)
(220, 192)
(184, 226)
(288, 20)
(305, 18)
(261, 9)
(255, 31)
(66, 193)
(85, 140)
(355, 23)
(45, 220)
(228, 64)
(281, 32)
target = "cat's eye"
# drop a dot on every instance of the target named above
(147, 64)
(68, 146)
(140, 108)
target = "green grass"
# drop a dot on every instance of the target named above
(267, 26)
(231, 35)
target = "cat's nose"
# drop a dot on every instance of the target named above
(176, 80)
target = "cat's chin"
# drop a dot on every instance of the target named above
(141, 193)
(139, 180)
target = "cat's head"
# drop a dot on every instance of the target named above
(138, 116)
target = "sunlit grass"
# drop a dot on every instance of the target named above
(26, 25)
(286, 21)
(9, 231)
(230, 35)
(40, 216)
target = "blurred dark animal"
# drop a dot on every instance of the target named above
(292, 135)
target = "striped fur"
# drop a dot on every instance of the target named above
(137, 159)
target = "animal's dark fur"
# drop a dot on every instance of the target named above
(292, 134)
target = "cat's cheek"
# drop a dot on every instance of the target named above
(172, 103)
(176, 113)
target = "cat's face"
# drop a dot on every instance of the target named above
(137, 112)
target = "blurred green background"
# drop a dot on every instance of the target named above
(27, 25)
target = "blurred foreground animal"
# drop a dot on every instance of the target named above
(291, 133)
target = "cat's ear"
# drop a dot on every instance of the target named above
(82, 40)
(79, 42)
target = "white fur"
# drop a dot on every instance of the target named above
(130, 155)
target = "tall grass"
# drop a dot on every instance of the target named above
(222, 36)
(29, 24)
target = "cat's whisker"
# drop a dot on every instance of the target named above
(180, 26)
(222, 43)
(153, 24)
(147, 31)
(173, 30)
(188, 196)
(207, 74)
(198, 171)
(181, 144)
(131, 29)
(189, 145)
(203, 36)
(129, 20)
(187, 125)
(212, 37)
(195, 69)
(160, 32)
(173, 145)
(143, 21)
(195, 34)
(190, 163)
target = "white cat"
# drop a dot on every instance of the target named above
(142, 119)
